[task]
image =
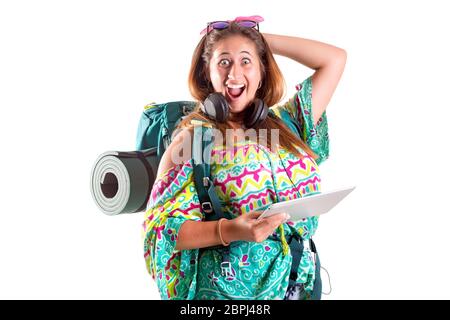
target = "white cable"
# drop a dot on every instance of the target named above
(329, 282)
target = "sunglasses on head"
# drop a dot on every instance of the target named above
(245, 22)
(220, 25)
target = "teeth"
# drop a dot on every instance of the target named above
(235, 86)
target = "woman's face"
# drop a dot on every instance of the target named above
(235, 71)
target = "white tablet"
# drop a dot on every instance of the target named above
(308, 206)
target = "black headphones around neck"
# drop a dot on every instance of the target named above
(217, 108)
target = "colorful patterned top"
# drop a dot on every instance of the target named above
(254, 179)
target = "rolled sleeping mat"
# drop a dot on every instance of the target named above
(121, 182)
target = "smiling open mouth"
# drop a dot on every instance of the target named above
(235, 92)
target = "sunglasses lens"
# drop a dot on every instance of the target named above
(247, 24)
(219, 25)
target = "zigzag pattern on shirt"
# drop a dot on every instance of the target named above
(261, 196)
(169, 184)
(299, 175)
(284, 181)
(242, 152)
(243, 184)
(259, 174)
(253, 201)
(310, 187)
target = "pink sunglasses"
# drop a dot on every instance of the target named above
(246, 22)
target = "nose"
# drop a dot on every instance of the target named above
(235, 73)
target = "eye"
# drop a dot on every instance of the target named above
(246, 61)
(224, 63)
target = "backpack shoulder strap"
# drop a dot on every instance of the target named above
(201, 151)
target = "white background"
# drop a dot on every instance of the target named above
(75, 76)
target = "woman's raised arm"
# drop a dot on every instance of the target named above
(328, 61)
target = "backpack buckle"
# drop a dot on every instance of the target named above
(185, 110)
(207, 207)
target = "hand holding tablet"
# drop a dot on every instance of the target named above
(308, 206)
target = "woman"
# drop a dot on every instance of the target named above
(184, 253)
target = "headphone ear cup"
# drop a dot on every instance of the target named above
(256, 114)
(216, 107)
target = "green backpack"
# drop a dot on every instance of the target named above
(157, 124)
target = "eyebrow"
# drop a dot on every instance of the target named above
(223, 53)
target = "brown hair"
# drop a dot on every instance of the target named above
(271, 91)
